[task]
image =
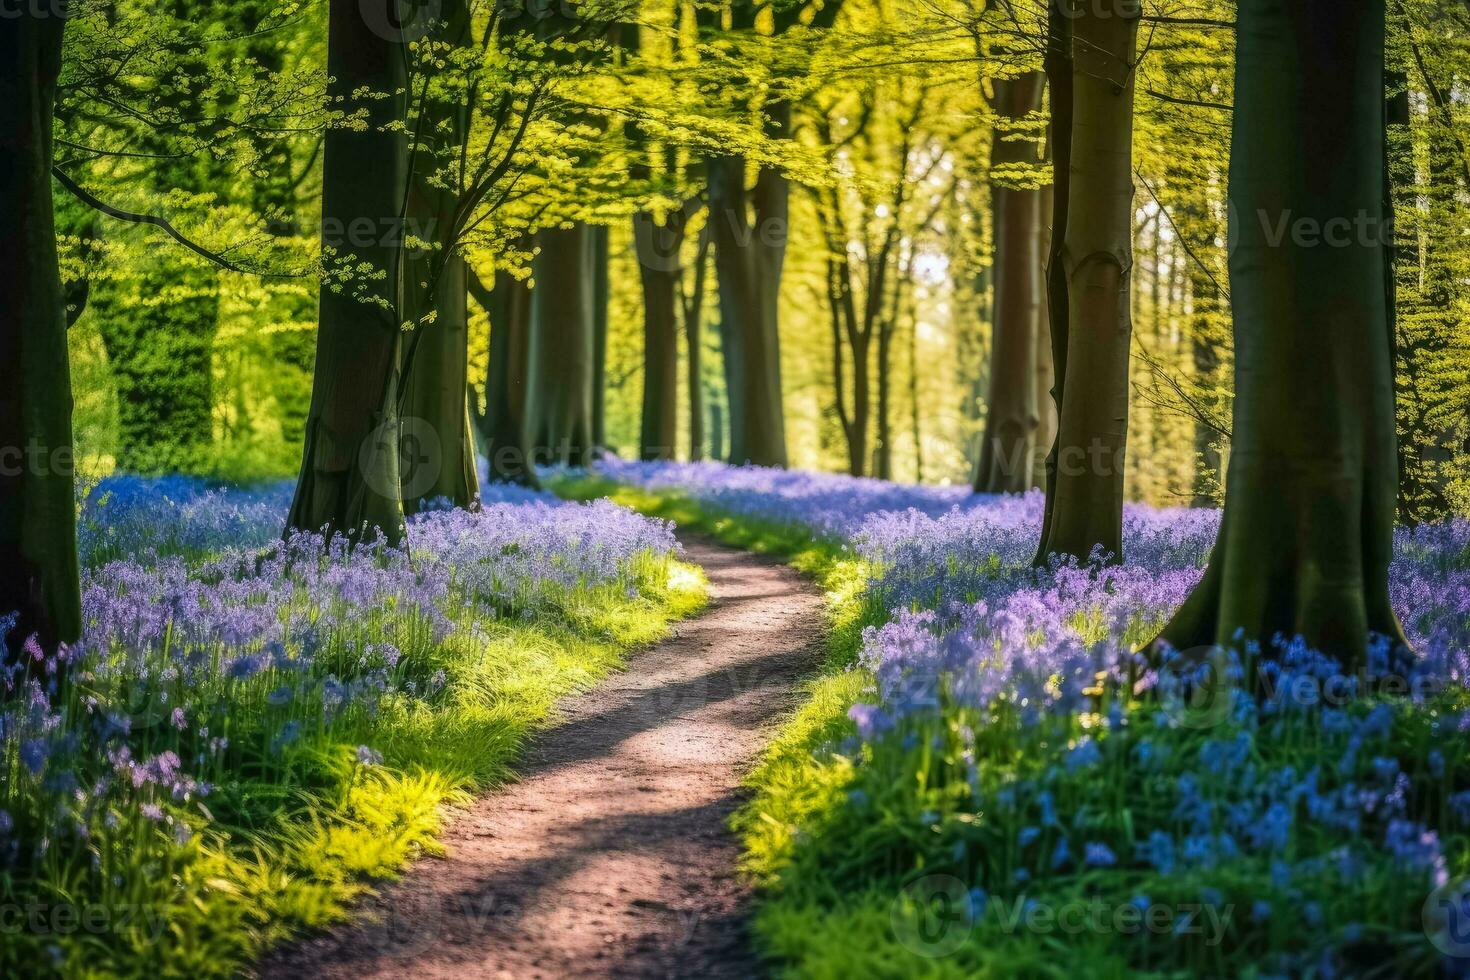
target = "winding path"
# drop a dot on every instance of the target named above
(611, 857)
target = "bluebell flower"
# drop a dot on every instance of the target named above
(979, 899)
(33, 754)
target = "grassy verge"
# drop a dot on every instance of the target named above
(292, 831)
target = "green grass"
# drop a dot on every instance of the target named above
(313, 831)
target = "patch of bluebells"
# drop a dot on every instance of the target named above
(216, 649)
(1013, 727)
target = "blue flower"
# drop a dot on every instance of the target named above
(33, 753)
(1048, 809)
(1084, 756)
(1099, 855)
(979, 899)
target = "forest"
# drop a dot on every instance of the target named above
(807, 488)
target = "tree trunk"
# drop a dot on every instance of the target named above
(862, 368)
(659, 268)
(717, 430)
(1058, 66)
(914, 415)
(1307, 533)
(1205, 303)
(883, 451)
(350, 482)
(438, 452)
(1046, 408)
(694, 341)
(39, 579)
(1008, 446)
(563, 345)
(1086, 467)
(749, 231)
(601, 296)
(506, 383)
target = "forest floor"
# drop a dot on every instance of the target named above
(612, 856)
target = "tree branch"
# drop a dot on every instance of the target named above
(163, 224)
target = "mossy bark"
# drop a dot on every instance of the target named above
(39, 577)
(1307, 534)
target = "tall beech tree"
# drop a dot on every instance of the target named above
(563, 350)
(1307, 533)
(601, 300)
(1046, 409)
(1007, 449)
(438, 457)
(691, 303)
(749, 229)
(1090, 62)
(39, 577)
(350, 476)
(504, 424)
(657, 240)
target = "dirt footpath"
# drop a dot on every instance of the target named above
(611, 857)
